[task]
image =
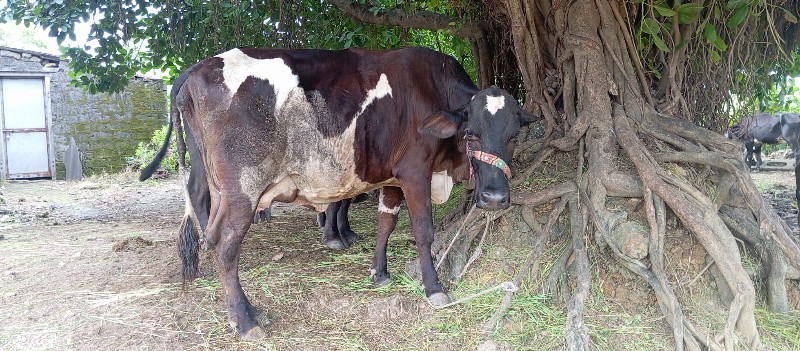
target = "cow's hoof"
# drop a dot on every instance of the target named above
(440, 299)
(335, 244)
(351, 237)
(381, 280)
(262, 216)
(207, 244)
(254, 334)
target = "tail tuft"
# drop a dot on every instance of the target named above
(187, 250)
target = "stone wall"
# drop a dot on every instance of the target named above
(107, 127)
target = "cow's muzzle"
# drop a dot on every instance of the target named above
(492, 200)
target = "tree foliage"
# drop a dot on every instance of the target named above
(129, 37)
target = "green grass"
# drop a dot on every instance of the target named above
(779, 331)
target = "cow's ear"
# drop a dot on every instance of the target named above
(526, 118)
(441, 124)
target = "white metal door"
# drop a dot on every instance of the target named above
(25, 128)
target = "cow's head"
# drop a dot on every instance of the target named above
(490, 124)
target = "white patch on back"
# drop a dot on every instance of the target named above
(381, 90)
(239, 66)
(441, 187)
(495, 103)
(383, 208)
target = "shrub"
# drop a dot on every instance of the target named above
(146, 151)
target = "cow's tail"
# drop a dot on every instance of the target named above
(148, 171)
(188, 244)
(188, 237)
(175, 122)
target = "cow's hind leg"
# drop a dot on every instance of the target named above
(343, 223)
(757, 154)
(230, 224)
(388, 207)
(330, 229)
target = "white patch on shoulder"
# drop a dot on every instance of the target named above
(441, 187)
(495, 103)
(382, 207)
(381, 90)
(239, 66)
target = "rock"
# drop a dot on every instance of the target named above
(490, 345)
(632, 238)
(413, 270)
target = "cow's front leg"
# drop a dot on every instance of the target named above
(388, 207)
(757, 154)
(417, 192)
(230, 224)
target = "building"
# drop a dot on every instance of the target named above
(40, 111)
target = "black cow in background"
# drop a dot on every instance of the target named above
(764, 128)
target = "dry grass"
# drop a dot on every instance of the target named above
(67, 288)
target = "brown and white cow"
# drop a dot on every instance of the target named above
(314, 127)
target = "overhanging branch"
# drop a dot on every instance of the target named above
(416, 20)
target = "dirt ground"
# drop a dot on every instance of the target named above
(92, 265)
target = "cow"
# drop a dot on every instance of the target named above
(763, 128)
(314, 127)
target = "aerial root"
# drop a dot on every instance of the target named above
(696, 211)
(668, 302)
(743, 225)
(728, 335)
(576, 333)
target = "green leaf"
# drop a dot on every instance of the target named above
(660, 43)
(789, 16)
(663, 9)
(735, 4)
(720, 44)
(650, 26)
(710, 33)
(681, 44)
(738, 17)
(688, 13)
(715, 56)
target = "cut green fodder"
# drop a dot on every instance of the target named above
(779, 331)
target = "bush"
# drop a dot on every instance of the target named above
(146, 151)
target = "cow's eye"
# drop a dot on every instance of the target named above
(470, 136)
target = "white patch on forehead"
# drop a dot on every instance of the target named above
(239, 66)
(495, 103)
(441, 187)
(383, 208)
(381, 90)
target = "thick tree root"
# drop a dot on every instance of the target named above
(576, 333)
(699, 214)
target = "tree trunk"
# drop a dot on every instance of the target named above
(603, 101)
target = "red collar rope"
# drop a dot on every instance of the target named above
(488, 158)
